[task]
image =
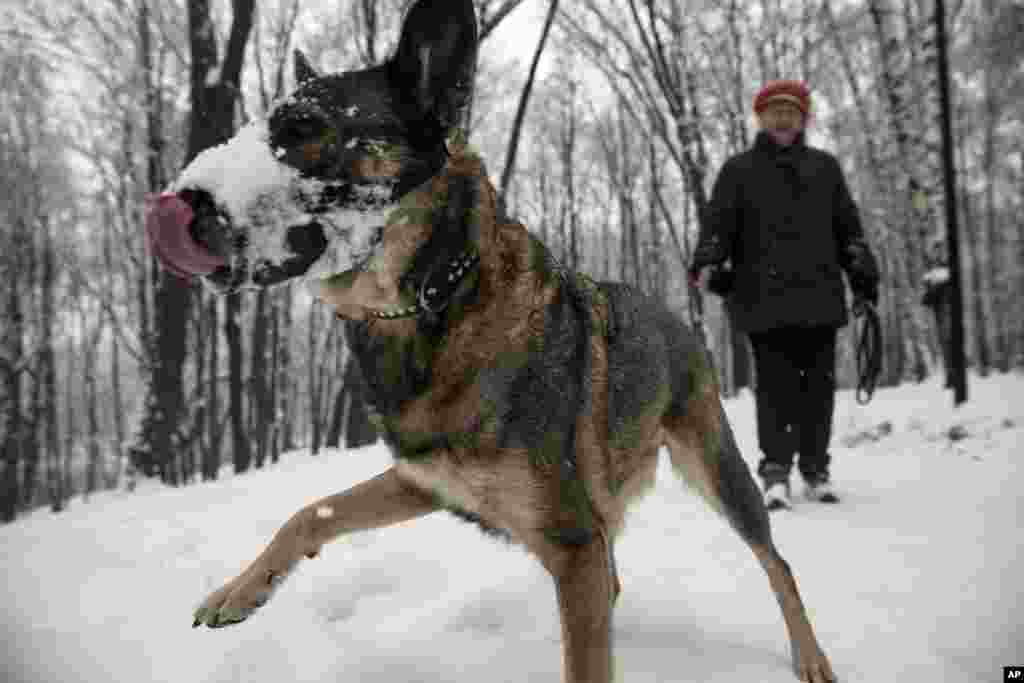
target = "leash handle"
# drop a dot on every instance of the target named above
(868, 350)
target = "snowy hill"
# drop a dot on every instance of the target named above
(917, 576)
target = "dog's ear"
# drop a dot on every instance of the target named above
(304, 71)
(436, 57)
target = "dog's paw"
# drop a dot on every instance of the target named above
(238, 600)
(812, 666)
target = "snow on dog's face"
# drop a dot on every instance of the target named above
(307, 191)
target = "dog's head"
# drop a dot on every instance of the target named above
(311, 189)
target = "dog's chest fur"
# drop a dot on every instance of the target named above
(487, 419)
(483, 406)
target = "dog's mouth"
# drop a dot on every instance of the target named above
(191, 238)
(172, 223)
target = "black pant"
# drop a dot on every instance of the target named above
(795, 397)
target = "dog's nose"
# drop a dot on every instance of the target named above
(170, 223)
(307, 241)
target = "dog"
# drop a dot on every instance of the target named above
(512, 392)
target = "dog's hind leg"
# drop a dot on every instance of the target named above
(384, 500)
(703, 449)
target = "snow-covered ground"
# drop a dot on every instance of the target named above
(917, 576)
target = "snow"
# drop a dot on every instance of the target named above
(915, 576)
(264, 197)
(937, 275)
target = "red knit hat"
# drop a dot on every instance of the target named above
(793, 92)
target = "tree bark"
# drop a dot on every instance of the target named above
(156, 443)
(241, 455)
(314, 382)
(213, 122)
(286, 382)
(12, 351)
(47, 408)
(524, 100)
(921, 206)
(70, 421)
(359, 431)
(92, 421)
(274, 415)
(259, 389)
(333, 436)
(215, 440)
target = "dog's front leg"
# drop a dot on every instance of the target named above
(375, 503)
(587, 588)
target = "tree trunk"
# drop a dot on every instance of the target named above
(890, 227)
(972, 255)
(274, 416)
(31, 453)
(524, 100)
(92, 421)
(213, 122)
(333, 436)
(995, 292)
(919, 196)
(203, 412)
(259, 390)
(70, 415)
(311, 391)
(286, 383)
(111, 480)
(48, 370)
(12, 350)
(1018, 313)
(359, 431)
(568, 149)
(157, 443)
(240, 446)
(212, 455)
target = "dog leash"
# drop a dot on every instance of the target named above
(868, 349)
(696, 305)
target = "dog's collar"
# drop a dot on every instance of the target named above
(436, 290)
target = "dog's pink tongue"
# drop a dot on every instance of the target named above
(167, 220)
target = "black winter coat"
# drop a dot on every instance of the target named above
(785, 219)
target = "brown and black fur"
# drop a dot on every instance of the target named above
(524, 397)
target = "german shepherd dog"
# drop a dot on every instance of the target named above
(511, 392)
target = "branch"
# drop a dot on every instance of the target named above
(241, 25)
(513, 145)
(490, 22)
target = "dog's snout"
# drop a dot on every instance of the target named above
(307, 241)
(209, 228)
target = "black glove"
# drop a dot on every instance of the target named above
(721, 280)
(862, 269)
(709, 252)
(865, 290)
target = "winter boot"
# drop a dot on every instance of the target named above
(818, 488)
(775, 479)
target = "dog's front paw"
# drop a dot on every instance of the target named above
(812, 666)
(238, 599)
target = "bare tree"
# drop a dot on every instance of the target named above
(524, 100)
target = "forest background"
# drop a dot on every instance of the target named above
(604, 123)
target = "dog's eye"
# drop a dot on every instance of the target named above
(300, 131)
